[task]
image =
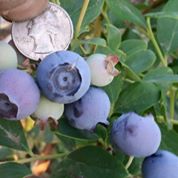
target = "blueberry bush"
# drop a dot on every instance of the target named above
(111, 114)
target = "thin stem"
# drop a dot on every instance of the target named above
(81, 17)
(131, 73)
(128, 80)
(105, 14)
(131, 158)
(106, 17)
(172, 102)
(111, 110)
(174, 122)
(152, 38)
(38, 157)
(83, 49)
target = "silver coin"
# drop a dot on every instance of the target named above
(51, 31)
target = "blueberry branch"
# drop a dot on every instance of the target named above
(153, 40)
(37, 157)
(81, 17)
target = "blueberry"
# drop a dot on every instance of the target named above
(19, 94)
(102, 69)
(8, 56)
(48, 109)
(91, 109)
(136, 135)
(162, 164)
(63, 76)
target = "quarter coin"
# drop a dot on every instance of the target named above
(49, 32)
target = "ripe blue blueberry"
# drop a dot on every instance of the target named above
(162, 164)
(88, 111)
(102, 68)
(19, 94)
(63, 76)
(136, 135)
(8, 56)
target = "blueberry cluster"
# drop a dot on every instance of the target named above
(61, 78)
(66, 80)
(140, 137)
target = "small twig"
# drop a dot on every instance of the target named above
(155, 44)
(81, 17)
(37, 157)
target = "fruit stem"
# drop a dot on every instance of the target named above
(131, 158)
(37, 157)
(155, 44)
(81, 17)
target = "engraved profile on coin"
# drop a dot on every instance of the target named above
(37, 30)
(51, 31)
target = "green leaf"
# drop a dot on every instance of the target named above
(68, 131)
(12, 135)
(169, 139)
(5, 153)
(130, 73)
(138, 97)
(114, 88)
(101, 131)
(105, 50)
(161, 75)
(141, 61)
(157, 15)
(167, 28)
(74, 7)
(163, 109)
(126, 11)
(113, 37)
(133, 45)
(9, 170)
(90, 162)
(95, 41)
